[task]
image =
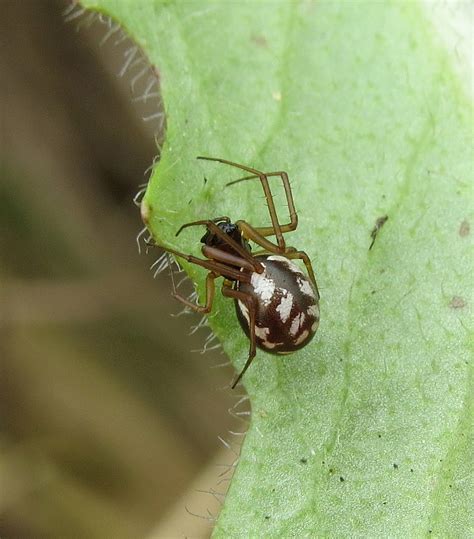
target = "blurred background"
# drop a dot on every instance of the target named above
(109, 423)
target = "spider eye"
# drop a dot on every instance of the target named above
(226, 227)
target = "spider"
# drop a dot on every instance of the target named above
(277, 305)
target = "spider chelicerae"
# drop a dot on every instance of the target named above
(277, 304)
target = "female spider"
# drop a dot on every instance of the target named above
(277, 305)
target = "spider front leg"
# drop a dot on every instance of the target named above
(288, 227)
(216, 269)
(210, 290)
(276, 229)
(249, 302)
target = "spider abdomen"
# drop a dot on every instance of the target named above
(287, 313)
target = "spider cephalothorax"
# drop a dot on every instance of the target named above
(277, 304)
(231, 230)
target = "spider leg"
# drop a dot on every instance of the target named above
(252, 307)
(231, 163)
(211, 225)
(276, 228)
(221, 269)
(254, 235)
(210, 289)
(214, 253)
(202, 222)
(293, 224)
(307, 262)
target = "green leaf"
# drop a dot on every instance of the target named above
(367, 431)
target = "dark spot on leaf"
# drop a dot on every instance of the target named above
(384, 503)
(464, 229)
(379, 435)
(373, 292)
(395, 466)
(303, 461)
(457, 303)
(341, 479)
(267, 517)
(331, 470)
(205, 180)
(190, 202)
(259, 40)
(378, 225)
(411, 470)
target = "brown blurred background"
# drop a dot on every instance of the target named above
(109, 422)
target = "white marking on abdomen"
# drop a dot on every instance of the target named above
(305, 287)
(290, 265)
(264, 287)
(244, 311)
(261, 333)
(297, 323)
(272, 345)
(284, 308)
(302, 337)
(279, 259)
(313, 310)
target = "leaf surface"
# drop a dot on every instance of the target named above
(368, 430)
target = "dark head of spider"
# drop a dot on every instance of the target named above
(211, 239)
(276, 302)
